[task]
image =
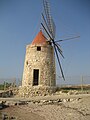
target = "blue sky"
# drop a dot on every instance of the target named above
(20, 22)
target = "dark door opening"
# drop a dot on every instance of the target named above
(35, 76)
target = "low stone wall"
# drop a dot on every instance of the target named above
(28, 91)
(4, 104)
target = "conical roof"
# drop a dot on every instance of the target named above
(39, 39)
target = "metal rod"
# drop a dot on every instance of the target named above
(45, 22)
(46, 31)
(60, 51)
(67, 39)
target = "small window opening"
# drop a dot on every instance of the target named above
(26, 62)
(38, 48)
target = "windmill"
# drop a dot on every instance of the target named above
(49, 29)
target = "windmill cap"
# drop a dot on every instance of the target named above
(39, 39)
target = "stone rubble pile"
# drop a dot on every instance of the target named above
(29, 91)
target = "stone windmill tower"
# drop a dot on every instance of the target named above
(39, 66)
(39, 77)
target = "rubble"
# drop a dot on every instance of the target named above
(27, 91)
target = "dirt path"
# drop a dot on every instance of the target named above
(48, 97)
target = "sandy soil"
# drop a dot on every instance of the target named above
(74, 110)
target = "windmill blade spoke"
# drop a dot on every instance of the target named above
(59, 50)
(67, 39)
(45, 22)
(59, 62)
(58, 46)
(46, 31)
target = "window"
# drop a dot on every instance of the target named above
(38, 48)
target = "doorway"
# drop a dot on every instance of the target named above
(35, 77)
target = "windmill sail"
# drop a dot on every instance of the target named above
(50, 29)
(49, 20)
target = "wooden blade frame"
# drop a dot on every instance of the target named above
(49, 20)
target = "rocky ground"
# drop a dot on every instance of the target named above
(56, 107)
